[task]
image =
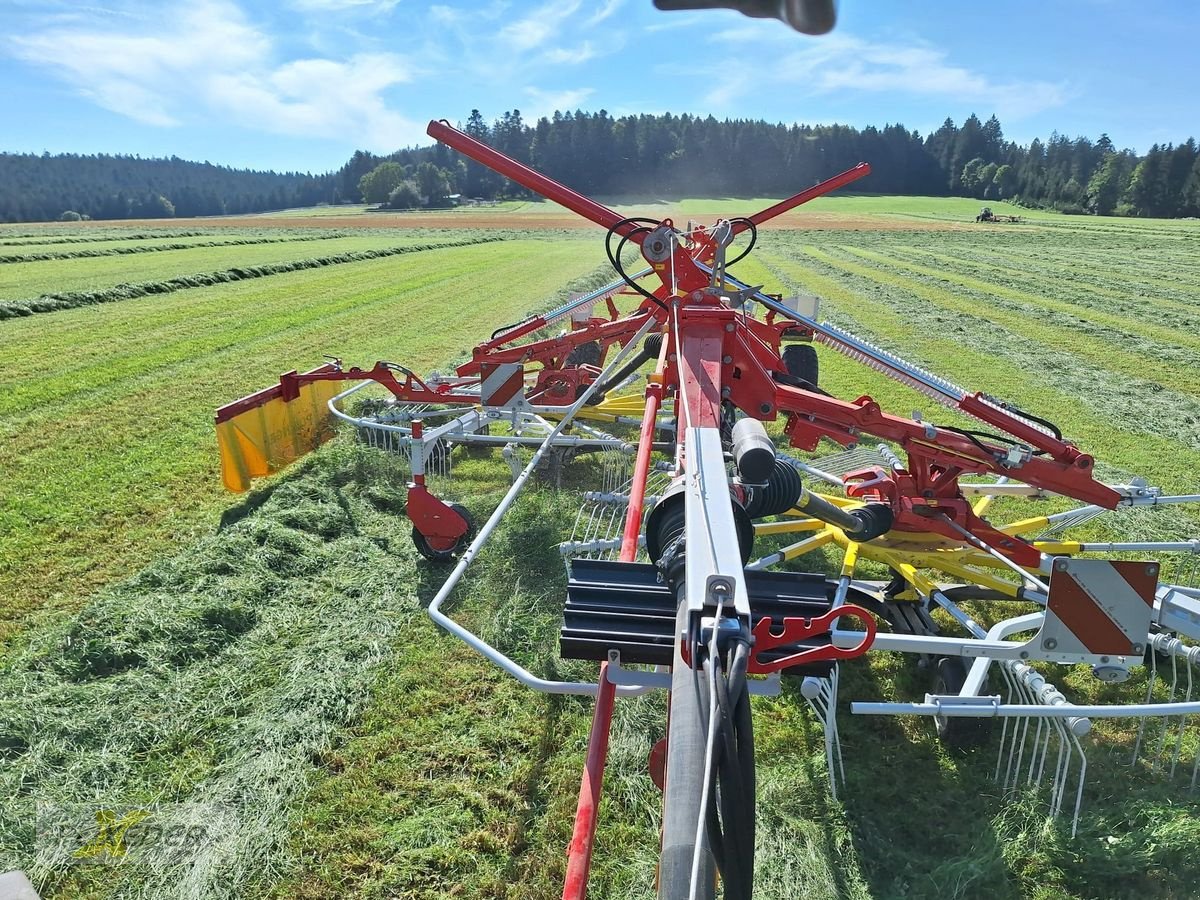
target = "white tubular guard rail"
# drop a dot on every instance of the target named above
(954, 706)
(513, 668)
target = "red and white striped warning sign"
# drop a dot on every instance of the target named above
(501, 383)
(1102, 606)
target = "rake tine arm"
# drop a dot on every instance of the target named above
(556, 348)
(1069, 474)
(443, 131)
(830, 184)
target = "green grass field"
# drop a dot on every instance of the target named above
(261, 665)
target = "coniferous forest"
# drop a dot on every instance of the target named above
(647, 156)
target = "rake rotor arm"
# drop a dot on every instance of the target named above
(1070, 474)
(443, 131)
(830, 184)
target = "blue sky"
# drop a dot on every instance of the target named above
(300, 84)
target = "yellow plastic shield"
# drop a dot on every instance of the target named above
(260, 434)
(612, 408)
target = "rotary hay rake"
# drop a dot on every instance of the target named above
(664, 590)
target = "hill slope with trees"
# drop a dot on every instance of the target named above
(645, 155)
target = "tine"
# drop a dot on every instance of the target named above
(1082, 778)
(1182, 725)
(1162, 739)
(1045, 751)
(837, 738)
(1004, 727)
(1058, 785)
(1137, 746)
(1037, 743)
(830, 730)
(1026, 699)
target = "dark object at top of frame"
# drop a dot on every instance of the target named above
(806, 16)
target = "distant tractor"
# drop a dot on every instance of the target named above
(986, 215)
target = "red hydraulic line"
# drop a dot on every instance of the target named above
(523, 175)
(579, 852)
(830, 184)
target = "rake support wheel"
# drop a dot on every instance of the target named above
(432, 553)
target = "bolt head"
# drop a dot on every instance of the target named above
(1061, 565)
(1152, 570)
(765, 408)
(726, 359)
(729, 326)
(1049, 644)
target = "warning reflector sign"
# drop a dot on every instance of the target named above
(502, 383)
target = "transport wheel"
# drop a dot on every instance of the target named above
(800, 360)
(960, 733)
(460, 545)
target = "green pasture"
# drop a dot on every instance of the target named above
(262, 666)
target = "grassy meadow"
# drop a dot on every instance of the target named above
(260, 667)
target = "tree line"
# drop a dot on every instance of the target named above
(668, 155)
(102, 186)
(640, 156)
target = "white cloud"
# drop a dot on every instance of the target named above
(320, 98)
(846, 63)
(206, 60)
(571, 55)
(367, 6)
(538, 27)
(605, 11)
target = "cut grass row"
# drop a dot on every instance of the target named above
(101, 477)
(72, 300)
(41, 255)
(24, 282)
(1146, 366)
(72, 236)
(962, 341)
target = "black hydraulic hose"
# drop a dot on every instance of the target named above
(651, 347)
(615, 259)
(731, 805)
(750, 246)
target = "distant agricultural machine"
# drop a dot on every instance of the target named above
(986, 215)
(664, 588)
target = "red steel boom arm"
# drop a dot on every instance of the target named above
(441, 130)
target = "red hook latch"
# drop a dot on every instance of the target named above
(795, 629)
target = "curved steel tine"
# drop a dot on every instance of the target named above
(1137, 746)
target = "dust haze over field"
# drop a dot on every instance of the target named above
(166, 644)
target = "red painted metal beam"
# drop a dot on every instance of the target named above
(579, 853)
(829, 184)
(443, 131)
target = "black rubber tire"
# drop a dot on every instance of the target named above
(950, 674)
(800, 360)
(460, 545)
(585, 355)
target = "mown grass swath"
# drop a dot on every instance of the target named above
(47, 284)
(270, 672)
